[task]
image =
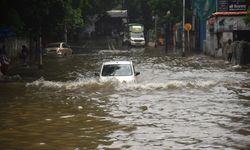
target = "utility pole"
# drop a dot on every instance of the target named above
(123, 4)
(40, 66)
(65, 32)
(183, 31)
(155, 19)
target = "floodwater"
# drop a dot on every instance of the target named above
(193, 102)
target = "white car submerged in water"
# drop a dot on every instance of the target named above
(58, 49)
(123, 71)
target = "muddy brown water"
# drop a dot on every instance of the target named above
(193, 102)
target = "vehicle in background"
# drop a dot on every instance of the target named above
(122, 71)
(134, 35)
(58, 49)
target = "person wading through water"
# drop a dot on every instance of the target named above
(4, 61)
(229, 50)
(24, 55)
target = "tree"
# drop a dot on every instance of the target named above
(9, 16)
(92, 7)
(147, 15)
(134, 10)
(50, 17)
(46, 16)
(247, 19)
(143, 10)
(162, 7)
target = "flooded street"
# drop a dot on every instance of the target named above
(194, 102)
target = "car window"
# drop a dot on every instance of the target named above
(137, 35)
(53, 45)
(117, 70)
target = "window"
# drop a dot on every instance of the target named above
(117, 70)
(53, 45)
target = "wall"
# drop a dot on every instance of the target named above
(230, 23)
(222, 28)
(14, 45)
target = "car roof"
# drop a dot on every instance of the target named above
(117, 62)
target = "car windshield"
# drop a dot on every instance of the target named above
(136, 35)
(54, 45)
(117, 70)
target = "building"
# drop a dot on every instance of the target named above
(111, 22)
(226, 23)
(105, 23)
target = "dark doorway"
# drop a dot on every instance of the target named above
(243, 35)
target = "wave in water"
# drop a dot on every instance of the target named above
(93, 83)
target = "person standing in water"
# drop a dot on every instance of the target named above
(24, 54)
(4, 61)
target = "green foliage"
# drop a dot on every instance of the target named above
(46, 16)
(9, 16)
(134, 10)
(73, 15)
(98, 6)
(247, 19)
(168, 11)
(50, 16)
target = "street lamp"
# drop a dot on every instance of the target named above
(168, 31)
(40, 66)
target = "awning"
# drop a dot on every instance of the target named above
(230, 13)
(118, 13)
(6, 32)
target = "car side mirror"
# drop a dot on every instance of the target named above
(137, 73)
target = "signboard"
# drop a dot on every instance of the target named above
(118, 13)
(230, 23)
(237, 5)
(136, 28)
(188, 27)
(232, 5)
(222, 5)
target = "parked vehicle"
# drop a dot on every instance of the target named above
(134, 35)
(58, 49)
(136, 39)
(122, 71)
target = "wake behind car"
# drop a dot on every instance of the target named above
(122, 71)
(58, 49)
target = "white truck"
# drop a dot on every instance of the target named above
(134, 35)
